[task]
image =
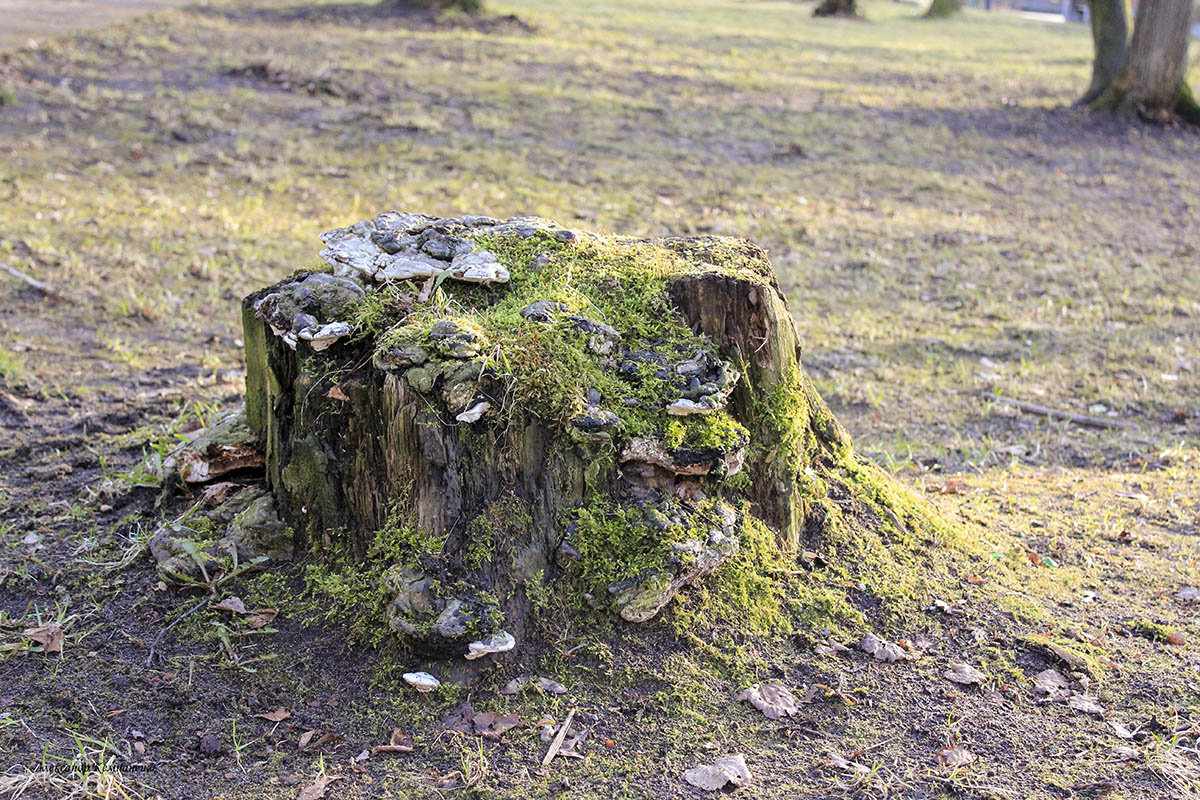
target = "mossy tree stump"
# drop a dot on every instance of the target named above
(479, 412)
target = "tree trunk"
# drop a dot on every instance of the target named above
(943, 8)
(1110, 36)
(836, 8)
(1151, 82)
(479, 412)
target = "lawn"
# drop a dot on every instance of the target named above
(948, 230)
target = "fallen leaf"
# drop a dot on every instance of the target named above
(260, 617)
(957, 756)
(881, 649)
(232, 604)
(846, 765)
(1188, 594)
(327, 738)
(1051, 683)
(964, 674)
(49, 636)
(306, 737)
(1120, 730)
(551, 686)
(515, 685)
(400, 742)
(722, 772)
(774, 700)
(1125, 753)
(491, 725)
(278, 715)
(460, 719)
(1084, 703)
(316, 790)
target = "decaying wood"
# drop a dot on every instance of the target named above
(1069, 416)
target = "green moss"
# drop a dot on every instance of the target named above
(504, 519)
(1153, 630)
(717, 431)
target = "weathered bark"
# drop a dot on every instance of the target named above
(836, 8)
(1151, 81)
(446, 439)
(943, 8)
(1110, 37)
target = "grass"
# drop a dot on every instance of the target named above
(945, 228)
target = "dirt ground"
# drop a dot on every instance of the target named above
(949, 231)
(37, 19)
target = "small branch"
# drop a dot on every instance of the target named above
(556, 745)
(1054, 413)
(163, 632)
(41, 286)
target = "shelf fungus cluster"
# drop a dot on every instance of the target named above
(484, 411)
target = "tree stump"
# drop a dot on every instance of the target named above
(480, 411)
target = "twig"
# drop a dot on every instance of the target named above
(1054, 413)
(157, 639)
(41, 286)
(556, 745)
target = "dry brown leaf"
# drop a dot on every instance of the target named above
(1052, 684)
(232, 604)
(515, 685)
(957, 756)
(278, 715)
(774, 700)
(316, 790)
(491, 725)
(49, 636)
(551, 686)
(881, 649)
(1120, 730)
(1084, 703)
(400, 742)
(964, 674)
(306, 737)
(260, 617)
(716, 776)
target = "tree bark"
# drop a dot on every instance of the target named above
(1110, 38)
(1151, 81)
(836, 8)
(943, 8)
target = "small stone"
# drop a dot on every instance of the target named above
(423, 682)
